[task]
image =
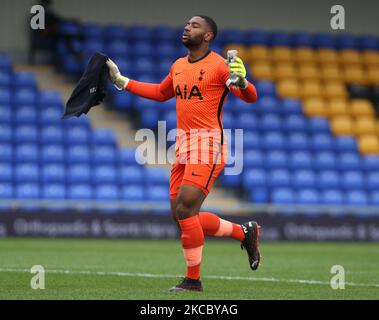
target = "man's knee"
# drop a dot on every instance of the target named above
(186, 207)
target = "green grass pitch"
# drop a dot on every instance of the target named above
(145, 269)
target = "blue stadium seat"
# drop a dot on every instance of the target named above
(78, 154)
(149, 119)
(77, 135)
(27, 153)
(5, 115)
(301, 160)
(265, 88)
(27, 172)
(318, 125)
(92, 46)
(6, 172)
(267, 104)
(272, 140)
(298, 142)
(115, 32)
(347, 41)
(256, 37)
(69, 28)
(280, 39)
(269, 122)
(356, 197)
(52, 153)
(231, 181)
(6, 190)
(276, 159)
(303, 179)
(104, 174)
(325, 160)
(254, 159)
(259, 195)
(139, 33)
(246, 121)
(254, 178)
(170, 117)
(374, 197)
(79, 173)
(24, 80)
(328, 179)
(5, 62)
(103, 136)
(5, 96)
(352, 180)
(157, 193)
(26, 134)
(283, 196)
(80, 192)
(324, 40)
(156, 176)
(301, 39)
(130, 174)
(51, 134)
(118, 48)
(308, 196)
(24, 96)
(51, 116)
(122, 101)
(368, 42)
(322, 142)
(228, 120)
(373, 181)
(349, 161)
(77, 122)
(72, 65)
(133, 192)
(331, 197)
(279, 178)
(6, 152)
(346, 144)
(166, 50)
(104, 155)
(5, 133)
(295, 123)
(26, 115)
(53, 191)
(107, 192)
(5, 79)
(127, 156)
(27, 191)
(370, 163)
(53, 173)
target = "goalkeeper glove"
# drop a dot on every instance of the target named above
(238, 73)
(119, 81)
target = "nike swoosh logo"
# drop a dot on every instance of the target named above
(176, 73)
(196, 175)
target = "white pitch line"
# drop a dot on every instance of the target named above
(169, 276)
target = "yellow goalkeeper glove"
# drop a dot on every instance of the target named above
(238, 73)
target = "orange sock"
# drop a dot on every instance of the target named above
(214, 226)
(192, 243)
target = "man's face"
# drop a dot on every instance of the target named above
(196, 32)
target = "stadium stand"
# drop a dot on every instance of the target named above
(312, 137)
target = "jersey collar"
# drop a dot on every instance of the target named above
(204, 56)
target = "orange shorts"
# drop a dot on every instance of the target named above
(195, 172)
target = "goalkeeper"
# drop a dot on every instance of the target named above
(200, 82)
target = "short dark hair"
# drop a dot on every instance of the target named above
(211, 23)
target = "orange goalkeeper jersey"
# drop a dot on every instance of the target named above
(200, 88)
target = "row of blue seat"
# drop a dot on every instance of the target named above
(81, 173)
(29, 96)
(325, 179)
(319, 160)
(58, 153)
(280, 196)
(84, 192)
(165, 33)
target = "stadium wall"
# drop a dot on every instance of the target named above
(289, 15)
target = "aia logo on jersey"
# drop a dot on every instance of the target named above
(188, 94)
